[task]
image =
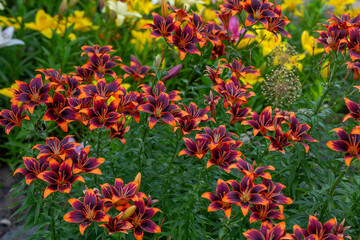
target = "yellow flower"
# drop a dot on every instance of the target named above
(246, 41)
(10, 22)
(309, 45)
(44, 23)
(81, 23)
(354, 12)
(292, 6)
(340, 5)
(285, 55)
(267, 40)
(142, 6)
(141, 23)
(7, 91)
(251, 79)
(140, 39)
(61, 31)
(207, 13)
(325, 68)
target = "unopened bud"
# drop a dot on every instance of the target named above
(63, 6)
(138, 181)
(172, 72)
(73, 3)
(164, 9)
(128, 212)
(157, 61)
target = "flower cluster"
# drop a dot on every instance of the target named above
(131, 209)
(315, 230)
(296, 131)
(59, 164)
(348, 143)
(341, 34)
(47, 24)
(262, 199)
(185, 30)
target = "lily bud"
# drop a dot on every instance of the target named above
(73, 3)
(172, 72)
(63, 6)
(157, 61)
(164, 9)
(138, 181)
(128, 212)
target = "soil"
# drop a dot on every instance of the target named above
(7, 180)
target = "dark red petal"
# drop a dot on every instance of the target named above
(100, 216)
(215, 206)
(77, 204)
(338, 145)
(253, 235)
(75, 216)
(49, 176)
(150, 226)
(83, 226)
(314, 225)
(90, 198)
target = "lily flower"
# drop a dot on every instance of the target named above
(6, 38)
(141, 218)
(136, 71)
(13, 118)
(33, 168)
(261, 123)
(162, 27)
(86, 212)
(185, 41)
(44, 23)
(309, 45)
(197, 148)
(121, 10)
(217, 202)
(83, 164)
(348, 143)
(245, 193)
(57, 149)
(102, 115)
(267, 231)
(60, 177)
(32, 94)
(60, 112)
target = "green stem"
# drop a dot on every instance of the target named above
(53, 218)
(146, 133)
(331, 193)
(98, 143)
(195, 192)
(168, 171)
(328, 85)
(266, 150)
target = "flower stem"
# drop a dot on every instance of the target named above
(98, 143)
(194, 193)
(52, 209)
(168, 174)
(331, 193)
(328, 85)
(146, 133)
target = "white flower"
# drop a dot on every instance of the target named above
(191, 2)
(5, 38)
(120, 8)
(158, 2)
(2, 4)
